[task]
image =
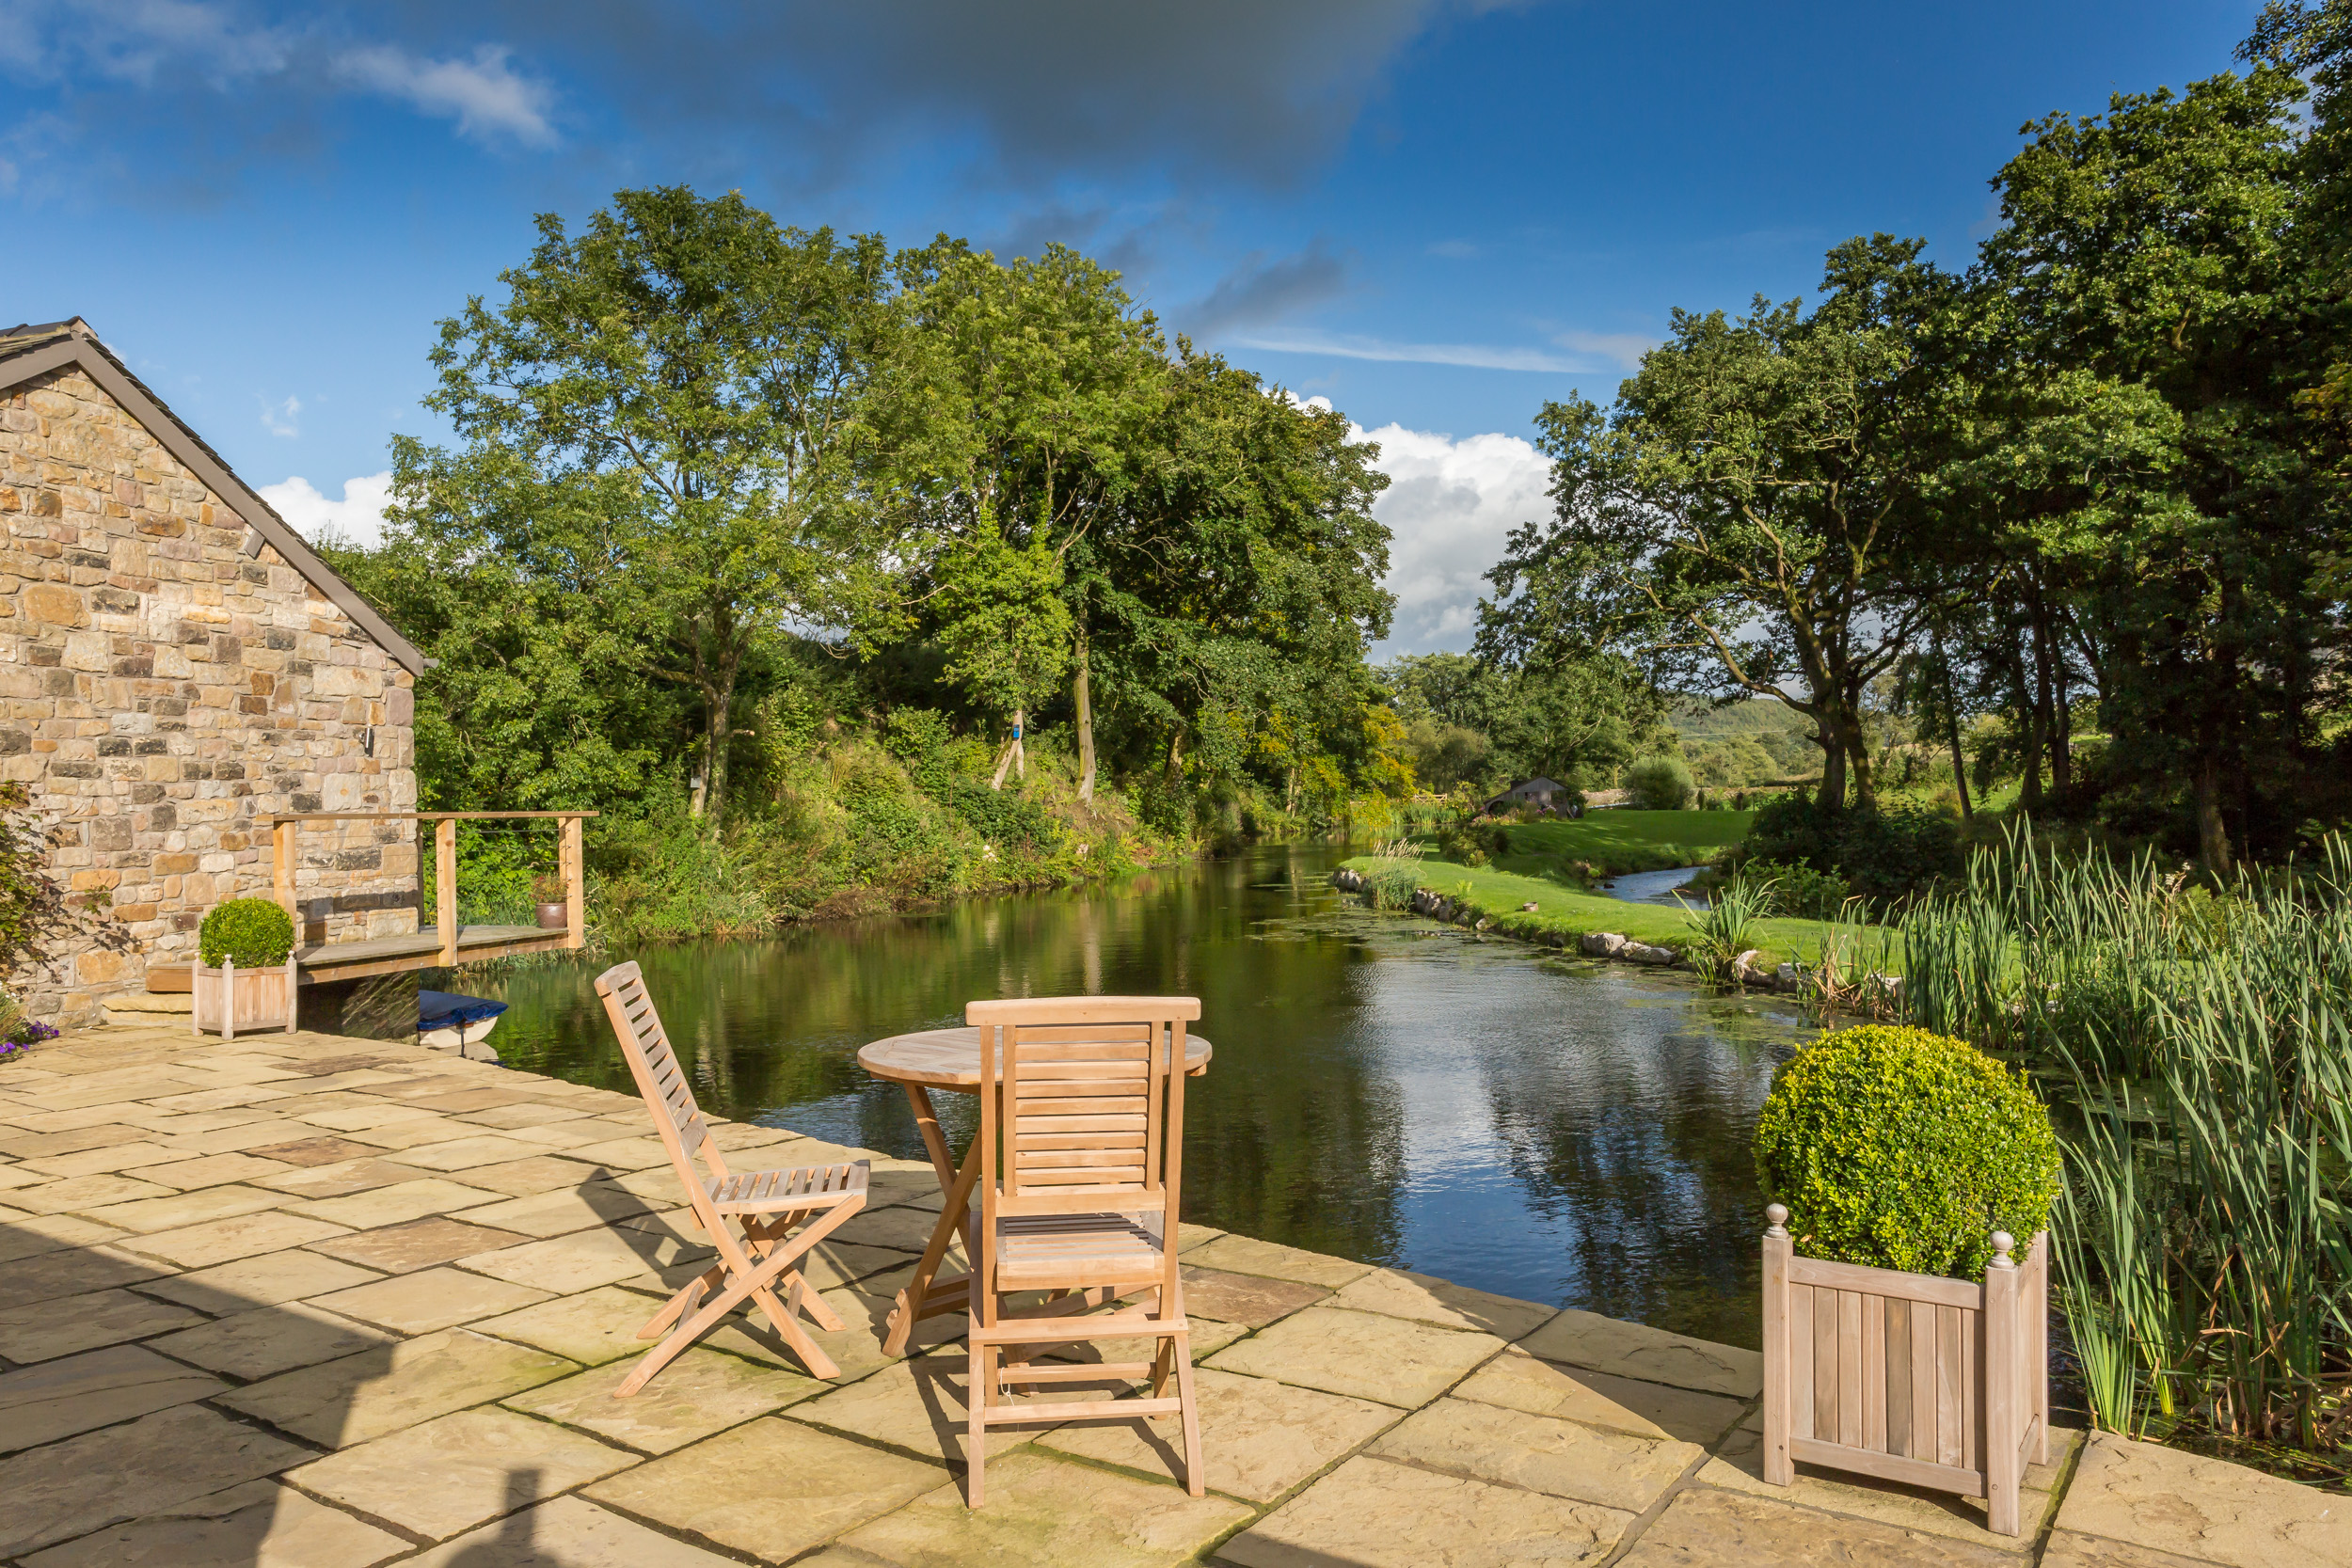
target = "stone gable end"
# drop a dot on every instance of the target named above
(160, 690)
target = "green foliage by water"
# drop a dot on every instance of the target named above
(2200, 1043)
(255, 932)
(767, 543)
(1885, 855)
(1904, 1150)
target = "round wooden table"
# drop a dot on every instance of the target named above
(949, 1060)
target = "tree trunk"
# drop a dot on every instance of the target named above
(1951, 729)
(716, 738)
(2029, 787)
(1085, 722)
(1012, 752)
(2062, 726)
(1865, 792)
(2213, 838)
(1830, 734)
(2044, 701)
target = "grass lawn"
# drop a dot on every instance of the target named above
(1562, 914)
(1617, 841)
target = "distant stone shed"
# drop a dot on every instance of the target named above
(1534, 792)
(175, 662)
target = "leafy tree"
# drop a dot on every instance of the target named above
(1739, 520)
(665, 411)
(1019, 413)
(2143, 288)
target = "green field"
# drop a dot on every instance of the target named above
(1562, 914)
(1617, 841)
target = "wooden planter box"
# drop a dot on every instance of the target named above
(229, 999)
(1908, 1377)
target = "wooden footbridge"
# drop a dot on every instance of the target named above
(439, 945)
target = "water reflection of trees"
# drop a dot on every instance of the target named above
(1628, 1128)
(1293, 1135)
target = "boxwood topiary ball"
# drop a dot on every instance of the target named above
(1904, 1150)
(256, 932)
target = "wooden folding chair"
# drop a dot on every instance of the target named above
(766, 1204)
(1082, 1123)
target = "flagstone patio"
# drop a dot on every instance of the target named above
(313, 1302)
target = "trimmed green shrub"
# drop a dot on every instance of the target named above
(1659, 784)
(1903, 1150)
(255, 932)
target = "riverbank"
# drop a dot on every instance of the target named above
(297, 1295)
(1560, 917)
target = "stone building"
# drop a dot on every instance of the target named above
(176, 663)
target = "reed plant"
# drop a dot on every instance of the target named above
(1727, 926)
(2200, 1041)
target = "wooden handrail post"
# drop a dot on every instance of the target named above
(575, 885)
(445, 890)
(2003, 1430)
(281, 856)
(1780, 1468)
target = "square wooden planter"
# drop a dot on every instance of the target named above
(1908, 1377)
(229, 1000)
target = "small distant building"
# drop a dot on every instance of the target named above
(175, 663)
(1534, 792)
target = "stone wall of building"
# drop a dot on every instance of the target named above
(160, 690)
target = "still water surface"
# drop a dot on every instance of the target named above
(1385, 1088)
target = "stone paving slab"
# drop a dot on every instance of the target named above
(1650, 1354)
(260, 1525)
(1044, 1510)
(568, 1533)
(96, 1388)
(433, 1271)
(1259, 1438)
(772, 1488)
(1561, 1459)
(1362, 1354)
(48, 1329)
(1372, 1513)
(445, 1476)
(701, 1393)
(2147, 1495)
(1704, 1528)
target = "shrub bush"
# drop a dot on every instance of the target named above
(1798, 890)
(1659, 784)
(1903, 1150)
(255, 932)
(1882, 855)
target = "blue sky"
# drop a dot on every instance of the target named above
(1435, 215)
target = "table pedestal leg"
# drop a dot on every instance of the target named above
(926, 1295)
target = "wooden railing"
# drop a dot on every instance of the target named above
(284, 862)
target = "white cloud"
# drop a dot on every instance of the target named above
(1481, 357)
(484, 95)
(356, 519)
(1450, 505)
(279, 418)
(1624, 349)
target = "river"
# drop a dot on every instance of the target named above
(1390, 1089)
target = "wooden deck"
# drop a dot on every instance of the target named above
(354, 961)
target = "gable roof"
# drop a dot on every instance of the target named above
(28, 350)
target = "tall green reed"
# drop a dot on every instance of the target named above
(2203, 1045)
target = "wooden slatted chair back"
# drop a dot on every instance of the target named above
(653, 1064)
(1080, 1111)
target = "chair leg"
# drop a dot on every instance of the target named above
(1195, 1482)
(682, 1303)
(981, 1378)
(757, 1282)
